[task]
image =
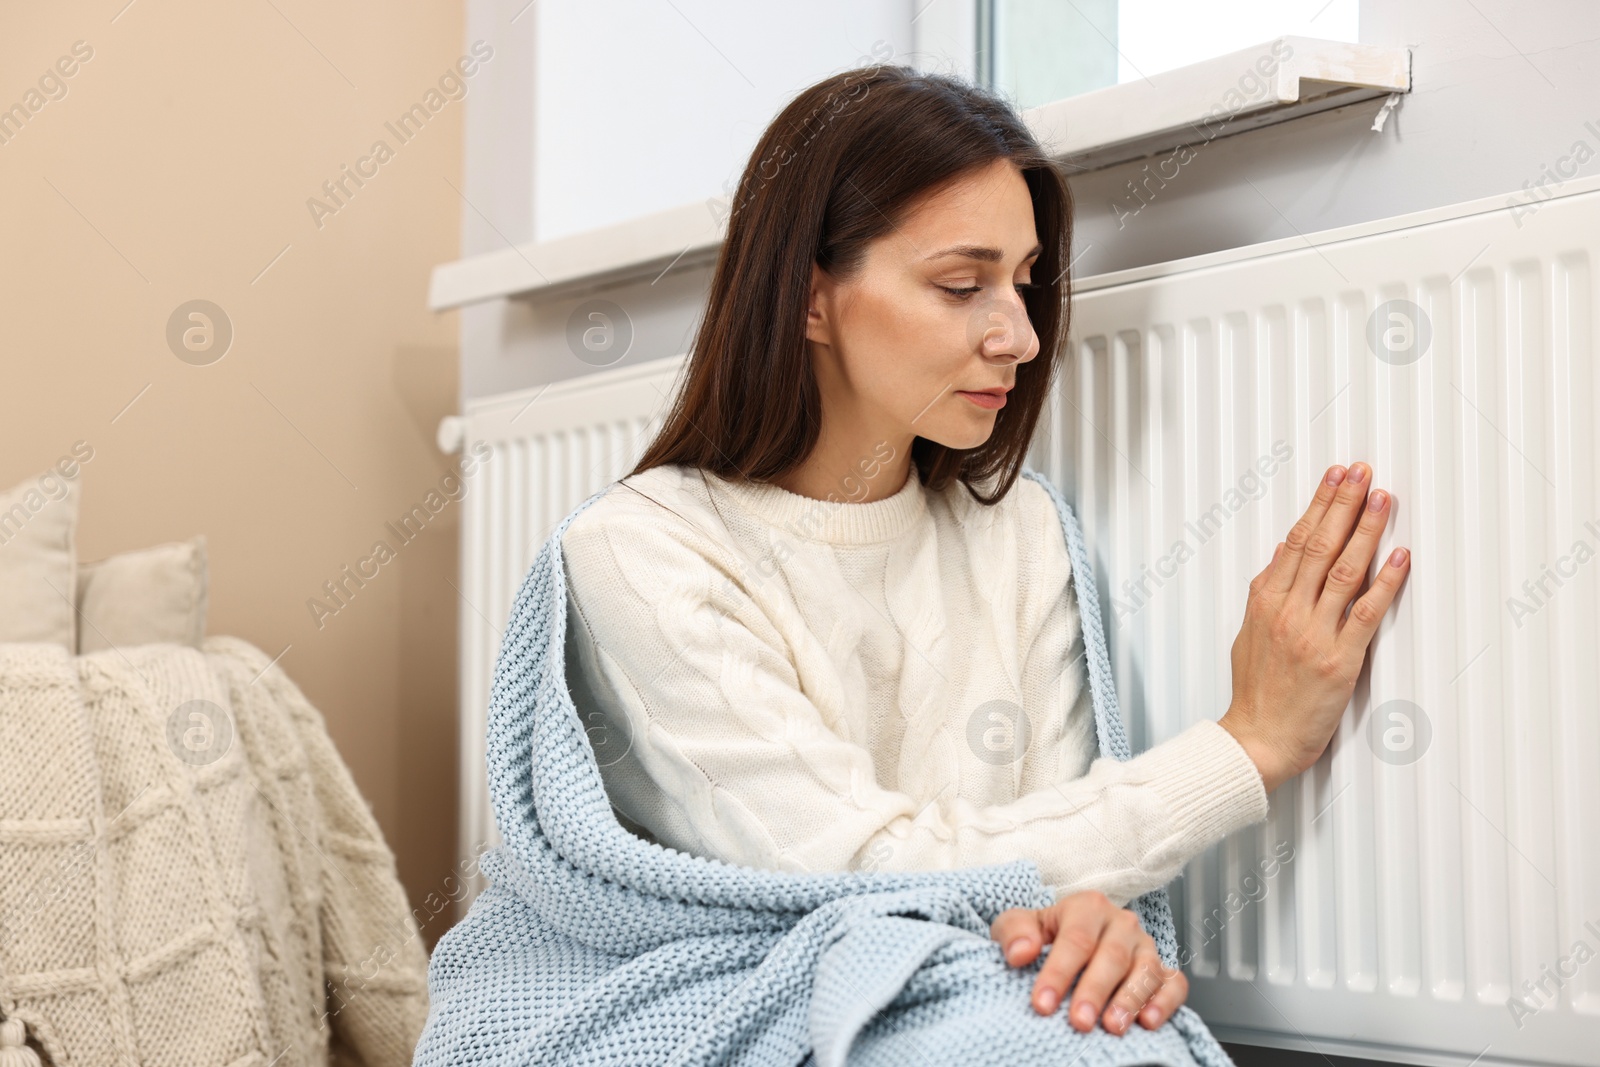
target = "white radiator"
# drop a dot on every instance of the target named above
(1447, 848)
(552, 447)
(1444, 856)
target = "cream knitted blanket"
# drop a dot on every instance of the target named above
(188, 874)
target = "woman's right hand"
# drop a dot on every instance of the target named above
(1297, 656)
(1118, 969)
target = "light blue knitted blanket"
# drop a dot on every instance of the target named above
(594, 946)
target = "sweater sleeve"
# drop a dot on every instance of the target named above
(1185, 793)
(716, 749)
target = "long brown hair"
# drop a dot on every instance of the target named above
(838, 168)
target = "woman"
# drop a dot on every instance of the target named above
(825, 624)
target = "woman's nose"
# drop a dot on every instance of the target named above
(1001, 328)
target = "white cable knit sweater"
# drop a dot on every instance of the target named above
(803, 685)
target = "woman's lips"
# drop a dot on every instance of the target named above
(991, 401)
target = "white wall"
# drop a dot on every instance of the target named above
(646, 106)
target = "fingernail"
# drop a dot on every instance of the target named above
(1015, 947)
(1358, 473)
(1048, 1000)
(1084, 1013)
(1152, 1015)
(1377, 500)
(1335, 475)
(1117, 1017)
(1397, 558)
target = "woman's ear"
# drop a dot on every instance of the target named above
(820, 307)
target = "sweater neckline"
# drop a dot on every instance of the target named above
(840, 522)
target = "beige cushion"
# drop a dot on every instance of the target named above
(38, 523)
(138, 598)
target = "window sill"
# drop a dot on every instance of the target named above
(1268, 83)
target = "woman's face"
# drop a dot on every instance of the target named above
(935, 311)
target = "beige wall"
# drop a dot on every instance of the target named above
(177, 166)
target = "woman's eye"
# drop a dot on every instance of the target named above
(963, 294)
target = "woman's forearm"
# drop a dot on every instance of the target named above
(1158, 810)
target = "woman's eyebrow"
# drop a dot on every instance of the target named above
(982, 252)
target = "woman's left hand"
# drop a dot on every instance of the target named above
(1124, 976)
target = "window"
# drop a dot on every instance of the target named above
(1036, 51)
